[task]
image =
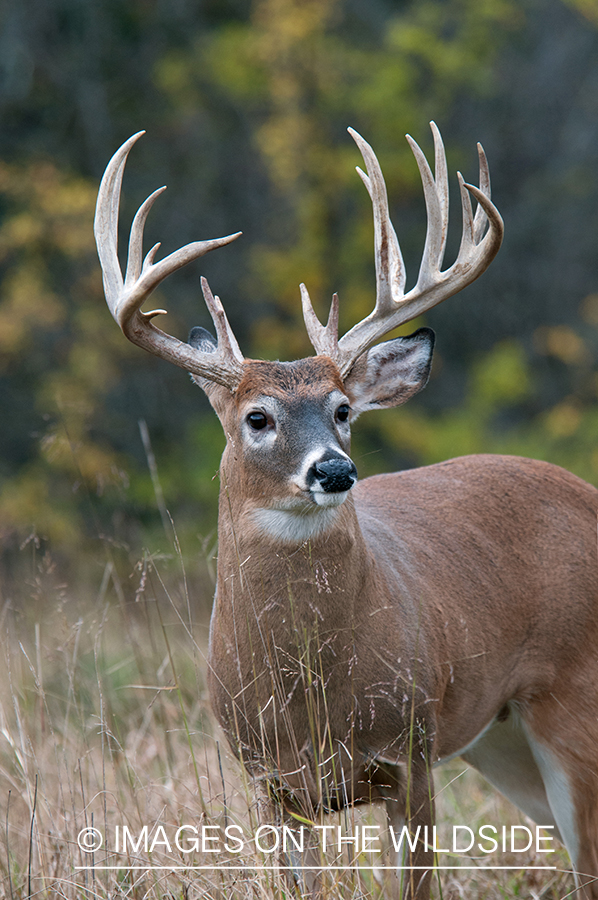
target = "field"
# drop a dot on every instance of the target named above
(105, 723)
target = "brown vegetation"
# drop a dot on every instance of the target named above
(105, 721)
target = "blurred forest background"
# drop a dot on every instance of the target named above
(246, 104)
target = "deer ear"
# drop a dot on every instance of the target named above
(204, 341)
(390, 373)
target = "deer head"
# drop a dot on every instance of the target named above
(288, 424)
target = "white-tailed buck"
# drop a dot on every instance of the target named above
(364, 632)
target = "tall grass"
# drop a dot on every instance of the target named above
(105, 722)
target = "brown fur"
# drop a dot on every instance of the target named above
(281, 379)
(345, 667)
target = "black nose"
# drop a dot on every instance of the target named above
(335, 475)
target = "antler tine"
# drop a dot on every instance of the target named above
(224, 333)
(481, 219)
(224, 365)
(442, 189)
(324, 339)
(390, 268)
(393, 306)
(105, 224)
(433, 246)
(135, 256)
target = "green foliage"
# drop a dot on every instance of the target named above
(587, 8)
(297, 70)
(247, 105)
(497, 381)
(497, 414)
(50, 296)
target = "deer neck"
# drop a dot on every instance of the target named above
(274, 555)
(282, 610)
(271, 591)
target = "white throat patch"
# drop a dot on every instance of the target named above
(295, 526)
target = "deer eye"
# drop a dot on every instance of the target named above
(342, 413)
(257, 420)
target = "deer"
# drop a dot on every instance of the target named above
(365, 631)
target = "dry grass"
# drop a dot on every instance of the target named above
(105, 722)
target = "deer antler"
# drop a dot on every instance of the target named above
(393, 306)
(125, 299)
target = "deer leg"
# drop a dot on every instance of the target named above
(298, 848)
(503, 755)
(304, 865)
(570, 773)
(410, 811)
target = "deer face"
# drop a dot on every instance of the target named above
(288, 428)
(292, 420)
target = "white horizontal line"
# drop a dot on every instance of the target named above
(310, 868)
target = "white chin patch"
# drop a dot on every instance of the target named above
(330, 501)
(298, 526)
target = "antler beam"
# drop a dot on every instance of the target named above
(480, 242)
(125, 298)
